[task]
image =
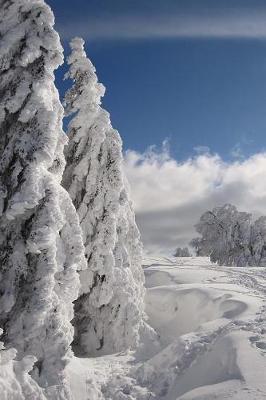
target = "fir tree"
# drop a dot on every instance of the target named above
(109, 309)
(40, 238)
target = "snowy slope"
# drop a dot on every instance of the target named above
(211, 338)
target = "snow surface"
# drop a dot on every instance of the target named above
(210, 343)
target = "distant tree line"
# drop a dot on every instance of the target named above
(230, 237)
(182, 252)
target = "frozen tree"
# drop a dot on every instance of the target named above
(225, 235)
(230, 237)
(40, 238)
(109, 309)
(182, 252)
(257, 246)
(199, 246)
(239, 253)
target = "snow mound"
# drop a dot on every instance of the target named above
(205, 317)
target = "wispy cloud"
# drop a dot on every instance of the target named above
(238, 152)
(242, 25)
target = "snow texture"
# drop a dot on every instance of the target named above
(40, 239)
(15, 382)
(109, 310)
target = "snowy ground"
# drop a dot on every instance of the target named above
(211, 338)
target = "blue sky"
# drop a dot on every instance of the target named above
(190, 71)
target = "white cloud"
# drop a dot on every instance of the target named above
(205, 24)
(169, 196)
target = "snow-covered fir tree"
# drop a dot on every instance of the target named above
(109, 309)
(257, 245)
(40, 239)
